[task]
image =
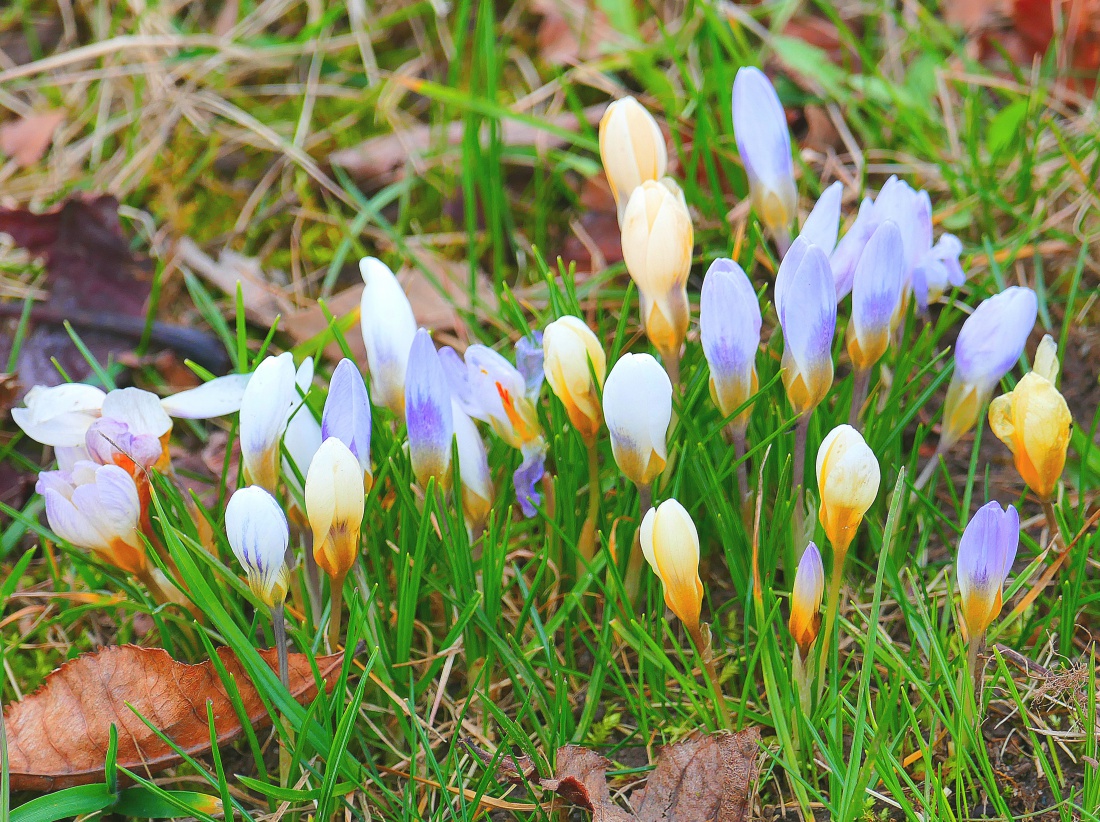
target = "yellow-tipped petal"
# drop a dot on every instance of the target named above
(848, 478)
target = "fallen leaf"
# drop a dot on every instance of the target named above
(26, 140)
(573, 31)
(58, 736)
(703, 778)
(263, 301)
(9, 392)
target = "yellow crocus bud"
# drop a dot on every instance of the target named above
(657, 238)
(809, 586)
(632, 149)
(334, 504)
(847, 480)
(670, 544)
(1033, 420)
(575, 365)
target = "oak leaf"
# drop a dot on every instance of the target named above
(58, 736)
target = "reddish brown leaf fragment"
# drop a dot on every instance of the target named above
(581, 779)
(57, 737)
(515, 769)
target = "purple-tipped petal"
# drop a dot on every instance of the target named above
(993, 337)
(848, 251)
(878, 282)
(729, 328)
(987, 550)
(808, 311)
(108, 440)
(823, 223)
(529, 357)
(428, 411)
(764, 143)
(527, 477)
(787, 268)
(347, 412)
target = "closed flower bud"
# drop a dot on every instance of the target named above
(637, 405)
(347, 415)
(258, 533)
(428, 414)
(97, 508)
(632, 149)
(989, 344)
(575, 366)
(657, 239)
(386, 318)
(729, 327)
(334, 504)
(805, 299)
(671, 547)
(809, 586)
(876, 295)
(823, 222)
(986, 552)
(764, 142)
(473, 469)
(1033, 420)
(270, 398)
(847, 480)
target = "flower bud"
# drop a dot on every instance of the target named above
(258, 533)
(97, 508)
(334, 504)
(270, 398)
(637, 405)
(847, 480)
(575, 366)
(805, 299)
(388, 325)
(986, 552)
(632, 149)
(347, 415)
(657, 239)
(809, 586)
(428, 414)
(1033, 420)
(764, 142)
(729, 327)
(473, 469)
(876, 295)
(989, 344)
(670, 544)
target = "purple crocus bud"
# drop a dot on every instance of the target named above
(847, 252)
(938, 270)
(912, 212)
(989, 344)
(529, 357)
(527, 477)
(805, 297)
(823, 223)
(347, 413)
(986, 552)
(111, 442)
(764, 142)
(729, 327)
(877, 291)
(428, 413)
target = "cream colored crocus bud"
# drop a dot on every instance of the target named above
(809, 587)
(657, 238)
(575, 365)
(848, 480)
(334, 504)
(1034, 421)
(632, 149)
(670, 543)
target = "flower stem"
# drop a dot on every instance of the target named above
(278, 624)
(798, 478)
(336, 609)
(782, 237)
(930, 467)
(700, 637)
(1052, 526)
(633, 580)
(740, 448)
(832, 607)
(975, 667)
(861, 383)
(586, 544)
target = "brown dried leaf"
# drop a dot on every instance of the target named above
(263, 301)
(26, 140)
(573, 31)
(58, 736)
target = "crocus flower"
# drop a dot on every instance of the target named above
(130, 431)
(876, 294)
(845, 256)
(301, 440)
(764, 142)
(334, 504)
(491, 389)
(823, 222)
(729, 327)
(61, 415)
(637, 405)
(347, 414)
(805, 298)
(986, 552)
(848, 480)
(473, 469)
(258, 533)
(670, 544)
(938, 270)
(575, 366)
(271, 397)
(97, 508)
(428, 414)
(657, 240)
(388, 327)
(809, 587)
(989, 344)
(632, 149)
(1034, 421)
